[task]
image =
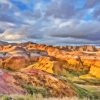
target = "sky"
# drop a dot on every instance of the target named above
(56, 22)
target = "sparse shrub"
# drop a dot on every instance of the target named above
(71, 73)
(36, 90)
(9, 69)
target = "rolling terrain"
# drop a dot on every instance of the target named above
(52, 71)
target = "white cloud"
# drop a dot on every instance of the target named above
(53, 22)
(11, 35)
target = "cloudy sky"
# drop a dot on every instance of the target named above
(57, 22)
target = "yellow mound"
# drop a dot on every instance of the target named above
(44, 64)
(95, 71)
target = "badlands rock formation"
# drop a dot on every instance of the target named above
(78, 58)
(8, 84)
(40, 65)
(15, 83)
(44, 57)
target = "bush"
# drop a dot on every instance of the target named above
(36, 90)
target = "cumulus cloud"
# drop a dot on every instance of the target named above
(50, 21)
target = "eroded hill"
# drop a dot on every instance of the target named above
(40, 65)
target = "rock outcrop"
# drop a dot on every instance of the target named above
(8, 84)
(15, 83)
(77, 58)
(40, 65)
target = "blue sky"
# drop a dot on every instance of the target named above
(57, 22)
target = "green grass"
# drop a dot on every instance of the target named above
(21, 97)
(66, 72)
(83, 92)
(36, 97)
(5, 97)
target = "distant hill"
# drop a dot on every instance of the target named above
(3, 43)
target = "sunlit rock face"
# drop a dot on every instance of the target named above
(40, 65)
(75, 57)
(52, 59)
(95, 71)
